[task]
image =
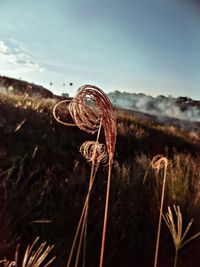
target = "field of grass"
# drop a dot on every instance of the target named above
(44, 181)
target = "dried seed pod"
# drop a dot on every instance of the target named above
(91, 106)
(93, 151)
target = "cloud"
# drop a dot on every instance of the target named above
(17, 57)
(4, 50)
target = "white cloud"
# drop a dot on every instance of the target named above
(18, 58)
(3, 48)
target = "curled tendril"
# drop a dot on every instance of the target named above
(94, 152)
(89, 108)
(58, 108)
(159, 162)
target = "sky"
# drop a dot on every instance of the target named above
(139, 46)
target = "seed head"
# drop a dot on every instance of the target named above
(94, 152)
(89, 108)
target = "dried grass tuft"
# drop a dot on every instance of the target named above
(33, 256)
(175, 225)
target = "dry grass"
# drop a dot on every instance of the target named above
(175, 225)
(33, 257)
(28, 103)
(62, 190)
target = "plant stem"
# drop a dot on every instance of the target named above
(84, 213)
(84, 244)
(92, 176)
(105, 214)
(176, 257)
(81, 237)
(160, 217)
(79, 224)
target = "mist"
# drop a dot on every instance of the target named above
(159, 106)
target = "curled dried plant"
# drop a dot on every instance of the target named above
(93, 151)
(175, 226)
(159, 162)
(99, 110)
(89, 108)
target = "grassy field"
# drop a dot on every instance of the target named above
(44, 181)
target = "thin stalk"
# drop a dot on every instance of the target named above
(79, 225)
(84, 226)
(175, 258)
(160, 217)
(92, 176)
(81, 237)
(105, 214)
(84, 244)
(85, 208)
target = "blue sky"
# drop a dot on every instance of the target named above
(148, 46)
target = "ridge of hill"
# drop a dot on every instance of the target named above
(21, 87)
(162, 110)
(160, 107)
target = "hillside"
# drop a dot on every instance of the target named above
(44, 180)
(20, 87)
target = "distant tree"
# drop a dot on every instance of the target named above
(70, 84)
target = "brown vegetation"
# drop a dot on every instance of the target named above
(44, 183)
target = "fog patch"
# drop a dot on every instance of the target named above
(159, 106)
